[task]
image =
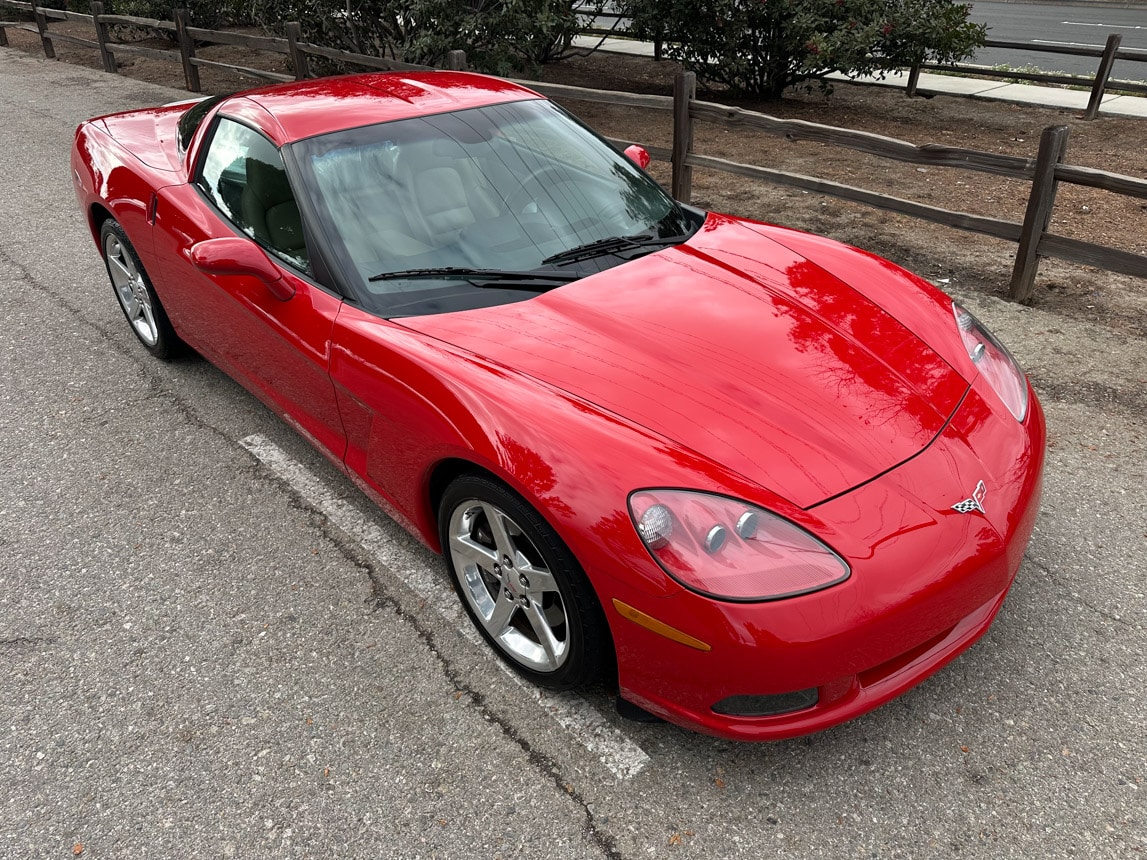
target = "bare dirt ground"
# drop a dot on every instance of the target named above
(944, 255)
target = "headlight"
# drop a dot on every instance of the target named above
(994, 362)
(730, 549)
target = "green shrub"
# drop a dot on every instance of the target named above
(209, 14)
(499, 36)
(761, 47)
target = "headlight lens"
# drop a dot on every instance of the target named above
(730, 549)
(994, 362)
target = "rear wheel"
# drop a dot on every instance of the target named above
(521, 586)
(136, 296)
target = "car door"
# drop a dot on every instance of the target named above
(276, 343)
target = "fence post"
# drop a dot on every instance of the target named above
(684, 92)
(456, 61)
(913, 80)
(102, 37)
(45, 39)
(187, 50)
(1101, 76)
(298, 58)
(1052, 147)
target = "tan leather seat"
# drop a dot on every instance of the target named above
(367, 208)
(269, 210)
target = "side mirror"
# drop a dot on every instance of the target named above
(232, 255)
(638, 154)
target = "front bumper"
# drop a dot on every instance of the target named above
(926, 583)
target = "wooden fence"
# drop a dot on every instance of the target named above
(1098, 84)
(1045, 172)
(188, 37)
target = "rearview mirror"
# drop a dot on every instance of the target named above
(233, 255)
(638, 154)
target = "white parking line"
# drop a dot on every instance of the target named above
(617, 753)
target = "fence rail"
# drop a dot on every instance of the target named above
(1099, 83)
(873, 144)
(1045, 172)
(1135, 55)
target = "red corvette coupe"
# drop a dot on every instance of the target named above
(766, 481)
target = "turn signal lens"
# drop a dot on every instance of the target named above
(730, 549)
(655, 526)
(994, 362)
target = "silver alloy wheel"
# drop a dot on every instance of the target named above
(508, 585)
(131, 289)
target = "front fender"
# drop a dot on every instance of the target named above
(411, 403)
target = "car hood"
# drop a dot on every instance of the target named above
(737, 348)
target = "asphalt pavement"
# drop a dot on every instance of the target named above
(1062, 25)
(212, 646)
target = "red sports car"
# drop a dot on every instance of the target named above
(763, 480)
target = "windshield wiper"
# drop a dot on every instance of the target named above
(611, 245)
(506, 278)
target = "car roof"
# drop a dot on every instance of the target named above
(307, 108)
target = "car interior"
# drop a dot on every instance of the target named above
(269, 210)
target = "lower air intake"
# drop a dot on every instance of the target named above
(766, 706)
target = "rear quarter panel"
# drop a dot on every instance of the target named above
(109, 180)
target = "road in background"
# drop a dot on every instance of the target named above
(1051, 24)
(211, 646)
(1058, 24)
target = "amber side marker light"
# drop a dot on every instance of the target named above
(659, 627)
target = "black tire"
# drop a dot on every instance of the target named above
(136, 296)
(541, 589)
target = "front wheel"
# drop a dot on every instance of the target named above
(521, 586)
(136, 295)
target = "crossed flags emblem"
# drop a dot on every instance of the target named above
(975, 503)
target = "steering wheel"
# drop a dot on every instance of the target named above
(533, 186)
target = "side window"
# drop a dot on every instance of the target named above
(243, 175)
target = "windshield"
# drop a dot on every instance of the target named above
(508, 188)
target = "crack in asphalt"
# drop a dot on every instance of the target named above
(542, 763)
(157, 387)
(381, 598)
(27, 642)
(73, 310)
